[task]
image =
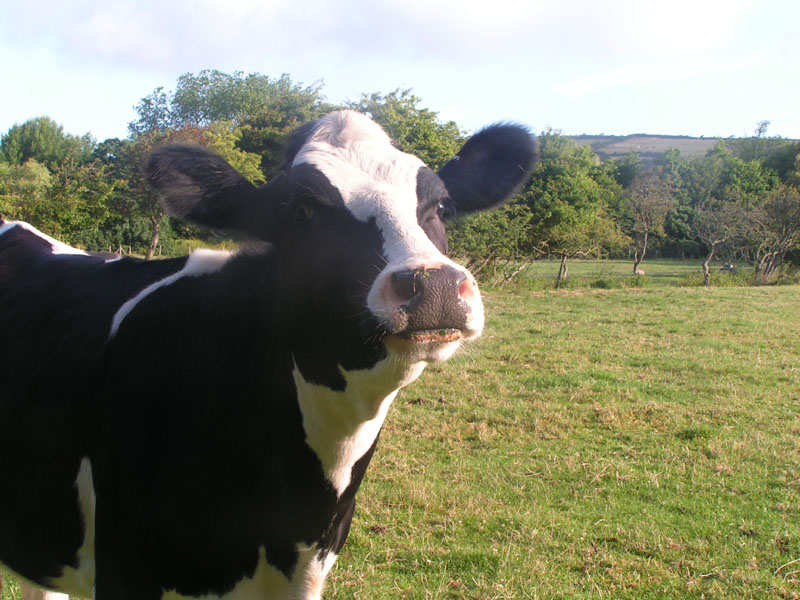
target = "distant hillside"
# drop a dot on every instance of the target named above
(649, 147)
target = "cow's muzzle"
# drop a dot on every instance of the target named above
(430, 305)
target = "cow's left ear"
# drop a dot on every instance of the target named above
(198, 185)
(490, 167)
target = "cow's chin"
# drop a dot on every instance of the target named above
(435, 345)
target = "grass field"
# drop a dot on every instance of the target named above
(595, 443)
(640, 443)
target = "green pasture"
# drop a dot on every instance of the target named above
(594, 443)
(635, 443)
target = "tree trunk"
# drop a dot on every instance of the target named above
(475, 270)
(562, 271)
(513, 274)
(638, 256)
(151, 249)
(706, 270)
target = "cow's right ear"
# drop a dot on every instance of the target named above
(199, 186)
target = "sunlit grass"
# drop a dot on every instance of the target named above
(619, 444)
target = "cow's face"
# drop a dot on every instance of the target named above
(357, 227)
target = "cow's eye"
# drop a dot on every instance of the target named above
(444, 211)
(303, 214)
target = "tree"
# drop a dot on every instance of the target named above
(588, 239)
(69, 204)
(23, 190)
(717, 225)
(77, 203)
(137, 212)
(628, 168)
(774, 229)
(260, 111)
(784, 161)
(650, 199)
(45, 141)
(223, 138)
(569, 196)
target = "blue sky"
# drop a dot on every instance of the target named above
(693, 67)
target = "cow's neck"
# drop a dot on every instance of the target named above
(342, 426)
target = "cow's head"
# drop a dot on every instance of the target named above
(357, 231)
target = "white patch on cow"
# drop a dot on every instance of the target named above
(58, 247)
(378, 181)
(314, 575)
(268, 582)
(79, 581)
(200, 262)
(341, 426)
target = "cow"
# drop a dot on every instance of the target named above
(198, 427)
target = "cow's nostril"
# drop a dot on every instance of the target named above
(466, 289)
(405, 284)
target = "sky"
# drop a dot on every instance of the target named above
(684, 67)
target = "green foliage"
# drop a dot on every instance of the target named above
(569, 196)
(23, 190)
(224, 138)
(629, 168)
(76, 210)
(44, 141)
(574, 205)
(784, 161)
(69, 204)
(259, 110)
(497, 234)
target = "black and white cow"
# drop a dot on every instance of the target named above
(198, 427)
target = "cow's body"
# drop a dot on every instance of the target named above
(198, 427)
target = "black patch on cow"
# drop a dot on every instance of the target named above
(295, 142)
(55, 313)
(311, 184)
(203, 470)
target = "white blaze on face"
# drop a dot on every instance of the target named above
(375, 180)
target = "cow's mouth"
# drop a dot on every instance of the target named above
(430, 345)
(431, 336)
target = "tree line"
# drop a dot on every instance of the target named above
(739, 202)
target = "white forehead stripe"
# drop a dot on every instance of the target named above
(375, 180)
(58, 247)
(200, 262)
